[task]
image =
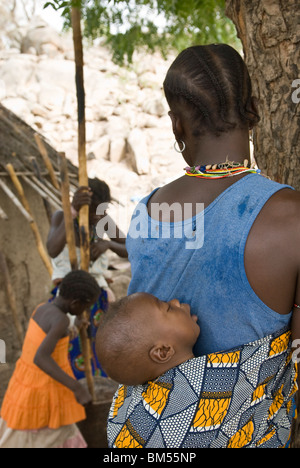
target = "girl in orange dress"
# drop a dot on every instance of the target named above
(43, 400)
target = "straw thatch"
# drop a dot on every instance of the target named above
(20, 147)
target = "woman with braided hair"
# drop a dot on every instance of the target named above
(222, 238)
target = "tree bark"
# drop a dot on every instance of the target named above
(270, 35)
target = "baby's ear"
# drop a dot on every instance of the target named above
(161, 353)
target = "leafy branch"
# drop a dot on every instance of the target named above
(151, 24)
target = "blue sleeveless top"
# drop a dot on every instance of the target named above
(200, 261)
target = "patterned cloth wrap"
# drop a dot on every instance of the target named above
(238, 398)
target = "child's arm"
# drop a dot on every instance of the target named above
(47, 364)
(102, 245)
(116, 234)
(57, 235)
(115, 242)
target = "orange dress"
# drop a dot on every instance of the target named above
(33, 399)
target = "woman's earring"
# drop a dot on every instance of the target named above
(178, 148)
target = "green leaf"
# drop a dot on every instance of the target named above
(151, 24)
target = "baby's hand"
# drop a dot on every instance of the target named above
(82, 395)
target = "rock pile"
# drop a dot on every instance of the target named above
(128, 131)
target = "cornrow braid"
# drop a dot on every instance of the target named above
(79, 285)
(245, 91)
(190, 97)
(213, 81)
(203, 61)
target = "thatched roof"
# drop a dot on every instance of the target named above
(27, 151)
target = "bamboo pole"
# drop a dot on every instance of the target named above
(15, 201)
(56, 199)
(11, 297)
(83, 181)
(83, 177)
(41, 192)
(39, 179)
(33, 225)
(46, 159)
(69, 222)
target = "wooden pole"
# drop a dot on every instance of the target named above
(69, 222)
(45, 196)
(33, 225)
(15, 201)
(11, 297)
(83, 181)
(39, 177)
(83, 177)
(46, 159)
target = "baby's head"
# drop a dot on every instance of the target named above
(141, 337)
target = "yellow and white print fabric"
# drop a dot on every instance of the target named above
(238, 398)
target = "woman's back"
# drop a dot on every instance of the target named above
(202, 263)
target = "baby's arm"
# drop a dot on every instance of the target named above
(46, 363)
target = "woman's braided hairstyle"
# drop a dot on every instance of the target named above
(79, 285)
(214, 82)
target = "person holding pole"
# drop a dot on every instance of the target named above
(97, 193)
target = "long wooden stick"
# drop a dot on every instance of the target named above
(46, 159)
(41, 192)
(83, 177)
(11, 297)
(83, 181)
(45, 188)
(33, 225)
(69, 222)
(15, 201)
(39, 179)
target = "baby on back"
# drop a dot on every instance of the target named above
(141, 337)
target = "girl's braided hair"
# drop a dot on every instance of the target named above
(79, 285)
(214, 82)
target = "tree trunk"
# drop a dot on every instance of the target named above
(269, 32)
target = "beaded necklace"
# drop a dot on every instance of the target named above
(221, 170)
